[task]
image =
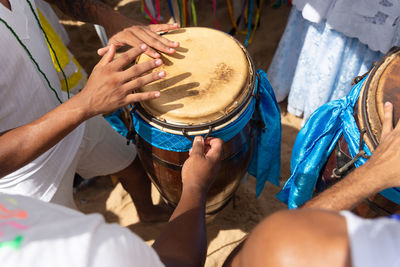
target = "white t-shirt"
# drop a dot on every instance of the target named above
(26, 96)
(373, 242)
(36, 233)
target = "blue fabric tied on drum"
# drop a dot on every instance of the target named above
(315, 142)
(265, 162)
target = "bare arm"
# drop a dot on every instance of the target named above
(183, 241)
(108, 88)
(122, 30)
(380, 172)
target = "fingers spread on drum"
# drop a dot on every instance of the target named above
(139, 69)
(127, 57)
(154, 40)
(142, 96)
(108, 57)
(163, 44)
(139, 82)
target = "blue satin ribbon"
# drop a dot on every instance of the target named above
(266, 160)
(315, 142)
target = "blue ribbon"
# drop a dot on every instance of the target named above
(316, 141)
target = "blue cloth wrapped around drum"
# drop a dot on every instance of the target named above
(333, 131)
(211, 89)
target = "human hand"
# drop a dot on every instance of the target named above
(384, 162)
(112, 83)
(126, 32)
(201, 168)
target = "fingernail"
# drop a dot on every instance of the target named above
(171, 50)
(156, 54)
(157, 94)
(387, 104)
(143, 46)
(158, 62)
(161, 74)
(198, 139)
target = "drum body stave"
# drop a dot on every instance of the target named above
(164, 169)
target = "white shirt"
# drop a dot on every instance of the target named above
(26, 96)
(35, 233)
(373, 242)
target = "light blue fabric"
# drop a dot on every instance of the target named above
(179, 143)
(314, 64)
(265, 162)
(314, 144)
(116, 123)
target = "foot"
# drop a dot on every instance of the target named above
(158, 213)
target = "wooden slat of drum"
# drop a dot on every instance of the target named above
(166, 175)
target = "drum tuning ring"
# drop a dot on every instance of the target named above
(185, 134)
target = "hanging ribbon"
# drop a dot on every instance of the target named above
(250, 14)
(171, 9)
(153, 20)
(215, 14)
(158, 10)
(180, 11)
(232, 17)
(194, 13)
(184, 9)
(257, 20)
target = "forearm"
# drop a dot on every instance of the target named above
(91, 11)
(21, 145)
(349, 192)
(183, 241)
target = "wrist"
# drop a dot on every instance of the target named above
(194, 191)
(81, 110)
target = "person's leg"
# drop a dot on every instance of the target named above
(296, 238)
(103, 152)
(136, 182)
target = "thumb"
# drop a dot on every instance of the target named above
(198, 146)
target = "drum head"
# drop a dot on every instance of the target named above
(383, 84)
(207, 78)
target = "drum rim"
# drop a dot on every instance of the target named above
(204, 128)
(364, 112)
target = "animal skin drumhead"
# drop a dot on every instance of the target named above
(206, 78)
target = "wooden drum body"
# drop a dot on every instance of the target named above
(209, 87)
(164, 169)
(382, 84)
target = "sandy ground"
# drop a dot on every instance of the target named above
(226, 229)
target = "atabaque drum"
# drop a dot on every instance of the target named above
(208, 91)
(381, 85)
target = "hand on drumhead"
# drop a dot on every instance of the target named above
(385, 159)
(134, 35)
(112, 82)
(202, 166)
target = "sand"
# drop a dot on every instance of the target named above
(226, 229)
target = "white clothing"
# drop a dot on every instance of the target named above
(374, 22)
(26, 96)
(102, 152)
(373, 242)
(35, 233)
